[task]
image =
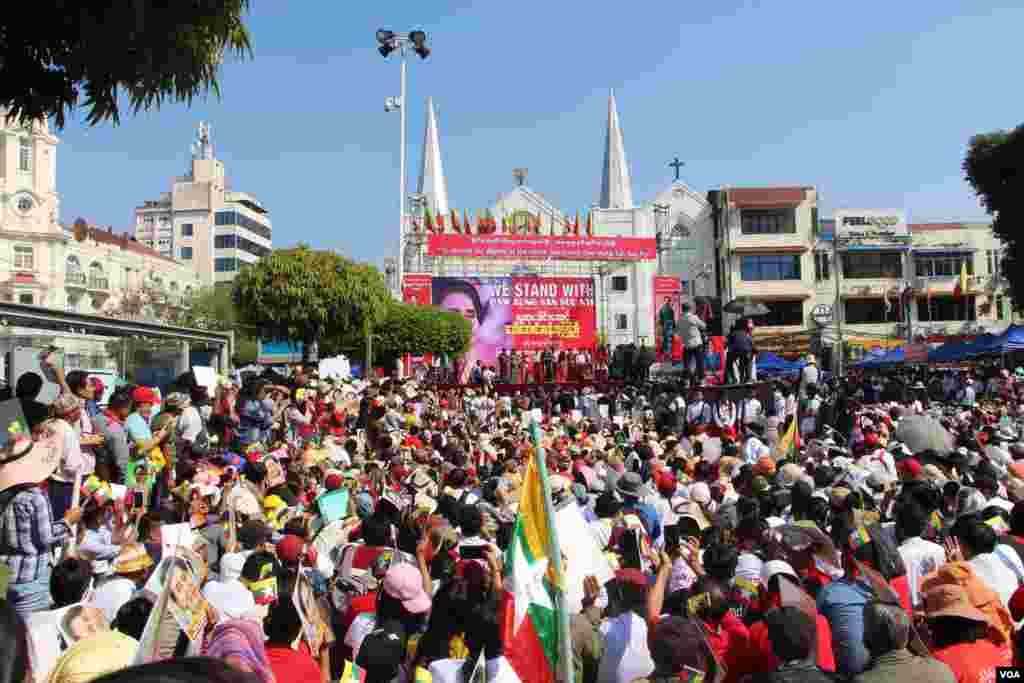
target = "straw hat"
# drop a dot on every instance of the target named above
(951, 600)
(132, 559)
(93, 657)
(24, 461)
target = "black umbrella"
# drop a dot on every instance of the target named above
(746, 307)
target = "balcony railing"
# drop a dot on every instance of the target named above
(75, 279)
(99, 283)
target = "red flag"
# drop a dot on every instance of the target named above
(455, 222)
(440, 223)
(465, 219)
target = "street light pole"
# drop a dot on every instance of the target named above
(389, 41)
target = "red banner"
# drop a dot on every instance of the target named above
(416, 288)
(522, 313)
(543, 248)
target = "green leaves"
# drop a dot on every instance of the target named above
(994, 166)
(58, 55)
(306, 295)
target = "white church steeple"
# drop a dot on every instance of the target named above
(616, 188)
(432, 184)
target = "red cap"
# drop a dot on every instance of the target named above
(871, 439)
(332, 482)
(290, 548)
(667, 484)
(143, 395)
(632, 576)
(909, 467)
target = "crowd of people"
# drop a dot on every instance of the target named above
(297, 529)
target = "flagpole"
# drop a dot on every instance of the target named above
(561, 609)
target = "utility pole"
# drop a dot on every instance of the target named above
(837, 312)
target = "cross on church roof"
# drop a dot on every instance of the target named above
(676, 164)
(520, 175)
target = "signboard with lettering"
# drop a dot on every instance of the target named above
(872, 226)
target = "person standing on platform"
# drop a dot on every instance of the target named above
(809, 375)
(667, 319)
(548, 369)
(691, 330)
(503, 371)
(514, 363)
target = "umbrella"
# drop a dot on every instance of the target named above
(746, 307)
(923, 432)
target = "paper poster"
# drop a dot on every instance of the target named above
(149, 643)
(80, 621)
(178, 577)
(206, 377)
(333, 505)
(583, 555)
(176, 535)
(314, 626)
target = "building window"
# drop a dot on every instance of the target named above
(25, 154)
(621, 321)
(822, 264)
(26, 299)
(943, 264)
(783, 313)
(767, 221)
(876, 264)
(1000, 311)
(242, 221)
(869, 311)
(620, 283)
(186, 229)
(186, 253)
(946, 308)
(24, 257)
(225, 265)
(770, 267)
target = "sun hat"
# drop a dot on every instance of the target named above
(231, 599)
(404, 583)
(951, 600)
(93, 657)
(631, 485)
(131, 559)
(773, 567)
(65, 404)
(24, 461)
(700, 493)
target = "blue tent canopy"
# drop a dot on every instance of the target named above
(1012, 339)
(890, 357)
(770, 363)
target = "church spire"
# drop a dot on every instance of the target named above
(432, 183)
(616, 188)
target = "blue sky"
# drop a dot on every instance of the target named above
(872, 102)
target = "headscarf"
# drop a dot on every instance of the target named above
(242, 639)
(90, 658)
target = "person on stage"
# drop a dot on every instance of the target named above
(548, 369)
(691, 330)
(667, 318)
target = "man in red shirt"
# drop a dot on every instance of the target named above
(299, 665)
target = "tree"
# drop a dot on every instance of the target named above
(310, 296)
(416, 330)
(56, 56)
(994, 167)
(212, 308)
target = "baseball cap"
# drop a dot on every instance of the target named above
(404, 583)
(382, 651)
(773, 567)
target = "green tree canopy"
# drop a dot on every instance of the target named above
(56, 56)
(416, 330)
(305, 295)
(994, 167)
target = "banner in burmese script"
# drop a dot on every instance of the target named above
(543, 247)
(522, 313)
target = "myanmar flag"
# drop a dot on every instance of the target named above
(535, 626)
(789, 445)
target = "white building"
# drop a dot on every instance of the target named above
(625, 305)
(204, 224)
